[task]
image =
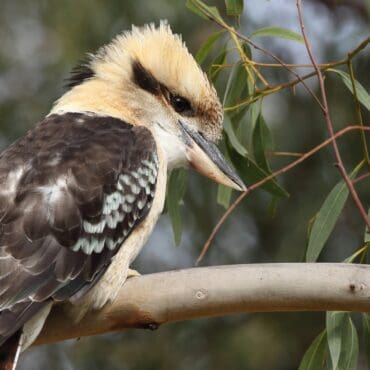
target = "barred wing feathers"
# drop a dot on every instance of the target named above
(71, 191)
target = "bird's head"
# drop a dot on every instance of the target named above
(147, 77)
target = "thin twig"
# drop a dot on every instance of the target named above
(267, 91)
(326, 112)
(358, 109)
(233, 32)
(270, 177)
(284, 154)
(360, 178)
(273, 56)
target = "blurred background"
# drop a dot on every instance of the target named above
(42, 40)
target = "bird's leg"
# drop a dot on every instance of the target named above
(131, 273)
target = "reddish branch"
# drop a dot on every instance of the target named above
(272, 176)
(326, 112)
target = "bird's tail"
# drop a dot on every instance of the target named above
(9, 352)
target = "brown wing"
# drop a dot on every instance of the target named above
(71, 191)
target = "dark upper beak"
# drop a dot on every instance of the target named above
(206, 158)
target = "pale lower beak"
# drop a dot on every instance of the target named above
(205, 157)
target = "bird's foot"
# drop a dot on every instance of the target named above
(131, 273)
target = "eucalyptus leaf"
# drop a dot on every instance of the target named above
(334, 327)
(278, 32)
(234, 7)
(233, 139)
(367, 231)
(244, 131)
(315, 356)
(204, 10)
(366, 330)
(327, 218)
(236, 85)
(219, 60)
(362, 95)
(224, 195)
(350, 347)
(251, 173)
(206, 47)
(262, 141)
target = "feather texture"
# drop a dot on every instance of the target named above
(71, 191)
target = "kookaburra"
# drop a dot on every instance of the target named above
(81, 192)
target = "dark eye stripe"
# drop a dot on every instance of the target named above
(144, 79)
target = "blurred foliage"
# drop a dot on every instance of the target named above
(266, 127)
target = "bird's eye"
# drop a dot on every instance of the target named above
(180, 104)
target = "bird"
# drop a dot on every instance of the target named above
(82, 190)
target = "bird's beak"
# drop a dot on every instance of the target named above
(205, 157)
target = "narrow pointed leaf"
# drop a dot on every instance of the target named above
(362, 95)
(244, 132)
(206, 47)
(234, 7)
(367, 231)
(334, 327)
(278, 32)
(224, 195)
(250, 173)
(262, 141)
(204, 10)
(236, 85)
(191, 5)
(219, 60)
(327, 218)
(350, 348)
(366, 330)
(314, 358)
(233, 139)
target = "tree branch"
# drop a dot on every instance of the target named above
(151, 300)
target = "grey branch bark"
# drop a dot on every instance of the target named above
(151, 300)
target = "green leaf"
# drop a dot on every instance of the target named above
(206, 47)
(235, 86)
(224, 192)
(224, 195)
(250, 173)
(349, 354)
(334, 327)
(366, 329)
(175, 192)
(262, 140)
(278, 32)
(362, 95)
(314, 358)
(245, 129)
(233, 139)
(191, 5)
(234, 7)
(203, 10)
(219, 60)
(367, 231)
(327, 218)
